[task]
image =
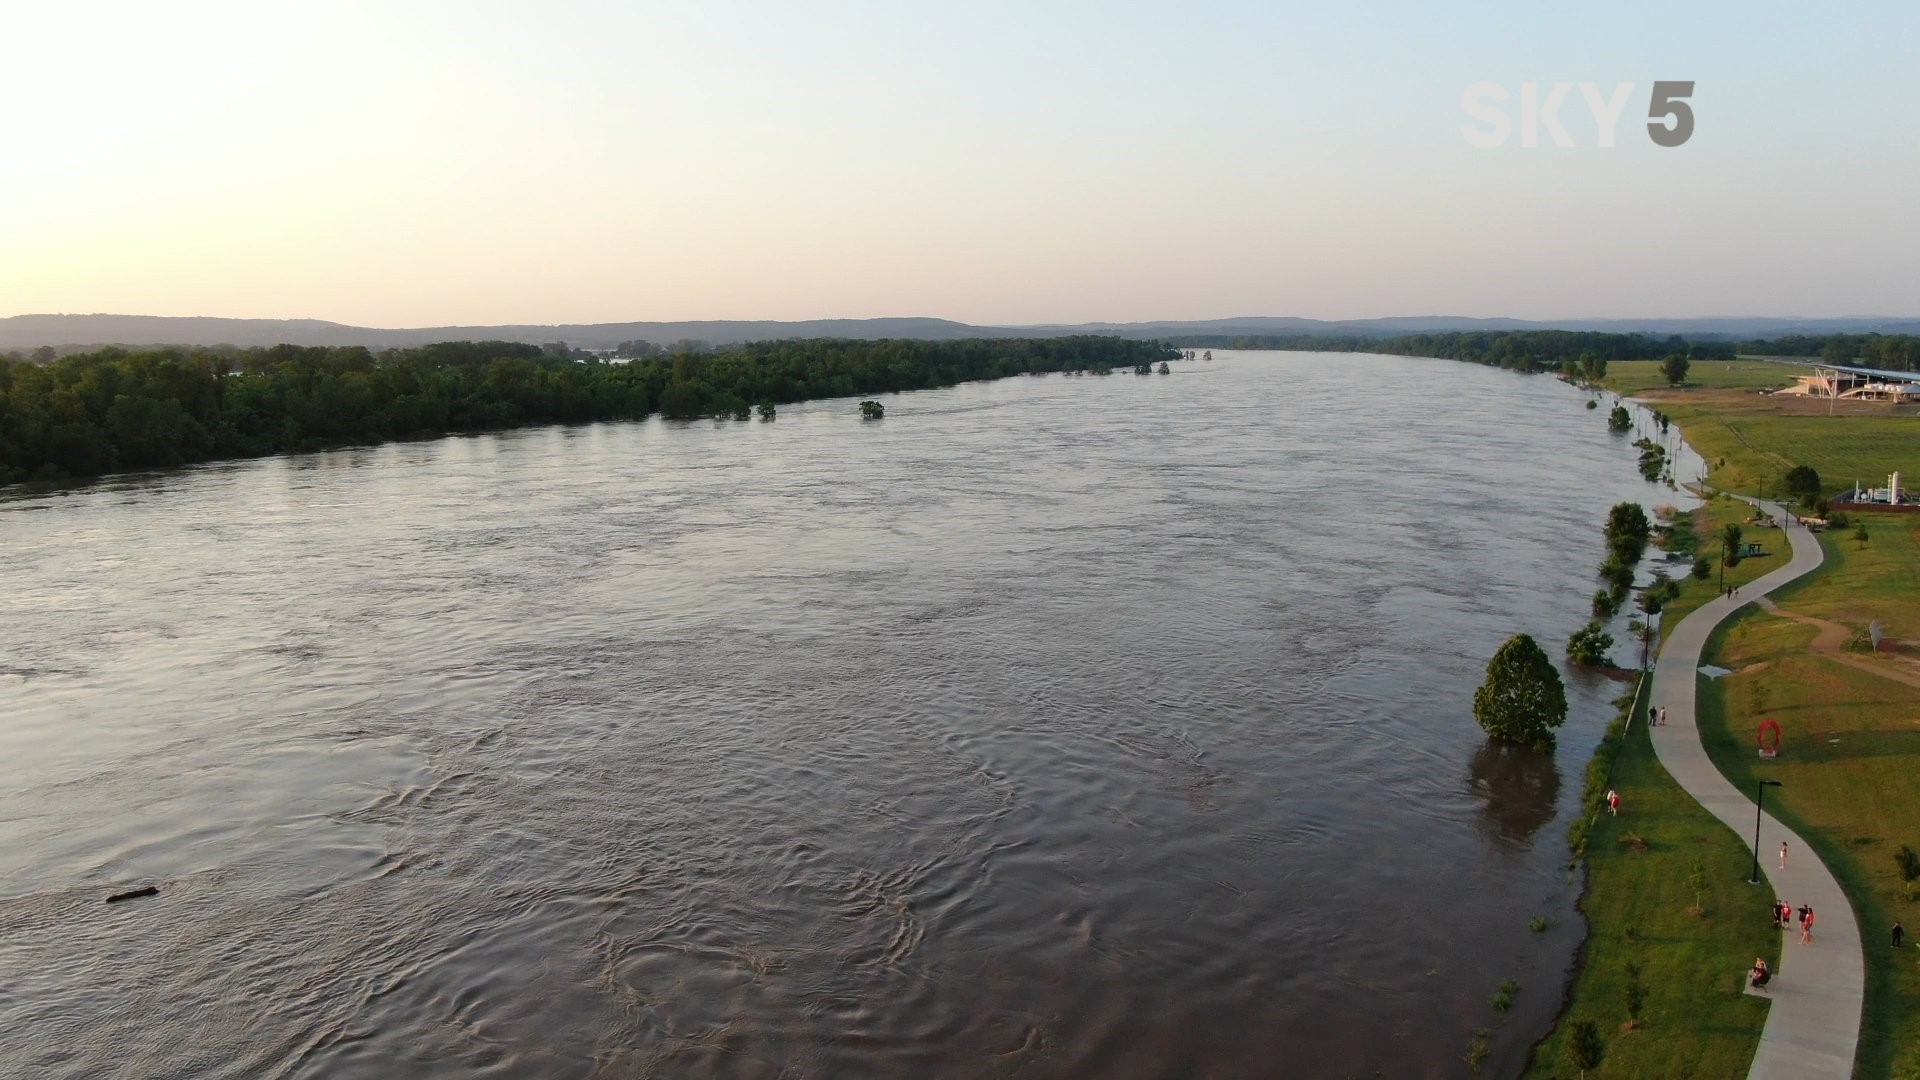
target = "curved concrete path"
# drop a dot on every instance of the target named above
(1813, 1025)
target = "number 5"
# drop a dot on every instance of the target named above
(1664, 105)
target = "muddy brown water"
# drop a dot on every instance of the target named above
(1052, 727)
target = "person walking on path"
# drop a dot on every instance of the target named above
(1899, 934)
(1663, 716)
(1806, 925)
(1783, 854)
(1613, 803)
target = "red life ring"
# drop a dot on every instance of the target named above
(1768, 748)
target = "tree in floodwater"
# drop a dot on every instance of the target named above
(1522, 699)
(1619, 419)
(872, 410)
(767, 410)
(1588, 646)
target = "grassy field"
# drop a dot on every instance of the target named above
(1636, 377)
(1750, 438)
(1696, 1022)
(1851, 762)
(1851, 772)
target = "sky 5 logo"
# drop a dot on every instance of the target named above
(1480, 101)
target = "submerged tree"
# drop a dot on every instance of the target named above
(1588, 646)
(1619, 419)
(1522, 699)
(872, 410)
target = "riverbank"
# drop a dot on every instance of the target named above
(1849, 776)
(1642, 908)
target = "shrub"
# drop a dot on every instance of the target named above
(1909, 863)
(1584, 1048)
(1588, 646)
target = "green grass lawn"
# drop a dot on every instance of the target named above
(1639, 376)
(1750, 438)
(1696, 1021)
(1860, 583)
(1751, 449)
(1850, 764)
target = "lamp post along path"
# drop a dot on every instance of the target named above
(1759, 802)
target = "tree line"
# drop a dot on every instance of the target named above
(1517, 350)
(111, 409)
(1896, 352)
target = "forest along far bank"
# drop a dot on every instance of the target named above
(67, 414)
(112, 409)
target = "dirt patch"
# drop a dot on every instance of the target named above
(1831, 641)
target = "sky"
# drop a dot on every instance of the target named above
(413, 163)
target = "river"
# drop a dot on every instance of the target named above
(1058, 726)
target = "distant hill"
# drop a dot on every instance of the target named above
(32, 331)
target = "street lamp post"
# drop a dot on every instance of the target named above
(1758, 802)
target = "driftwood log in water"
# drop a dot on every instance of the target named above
(135, 894)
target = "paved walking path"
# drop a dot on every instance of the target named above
(1813, 1024)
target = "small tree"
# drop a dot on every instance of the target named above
(1909, 863)
(1803, 481)
(766, 410)
(1730, 538)
(1619, 419)
(1674, 367)
(1628, 530)
(1644, 633)
(1584, 1049)
(1728, 548)
(1860, 534)
(1697, 881)
(1522, 699)
(1702, 569)
(1164, 369)
(872, 410)
(1588, 646)
(1636, 994)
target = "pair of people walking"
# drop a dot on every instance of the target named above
(1613, 802)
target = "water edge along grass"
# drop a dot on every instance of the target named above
(1696, 1021)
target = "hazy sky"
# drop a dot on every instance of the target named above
(418, 163)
